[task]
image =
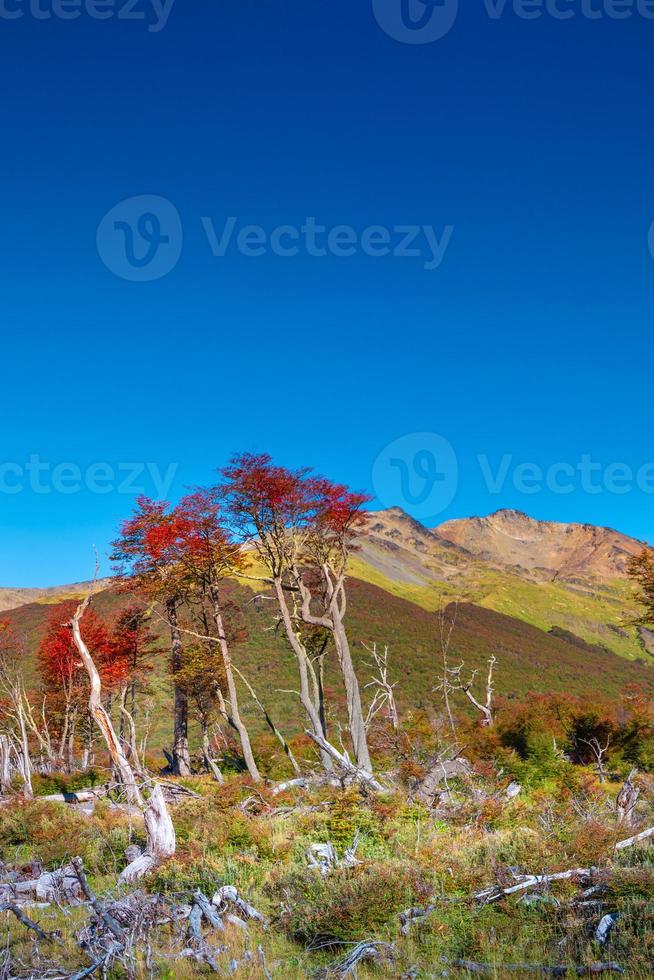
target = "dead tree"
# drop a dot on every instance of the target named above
(384, 696)
(159, 829)
(5, 763)
(486, 707)
(599, 752)
(449, 675)
(626, 800)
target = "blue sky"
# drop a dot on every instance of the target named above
(531, 140)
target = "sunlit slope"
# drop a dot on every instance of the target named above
(409, 561)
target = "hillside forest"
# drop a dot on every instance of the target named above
(287, 737)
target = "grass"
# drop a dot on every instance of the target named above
(602, 617)
(408, 857)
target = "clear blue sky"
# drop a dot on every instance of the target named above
(532, 340)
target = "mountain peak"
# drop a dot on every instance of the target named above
(513, 538)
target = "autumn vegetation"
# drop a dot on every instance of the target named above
(366, 832)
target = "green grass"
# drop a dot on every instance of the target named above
(407, 857)
(602, 617)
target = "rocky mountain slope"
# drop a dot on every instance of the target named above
(13, 598)
(572, 577)
(567, 551)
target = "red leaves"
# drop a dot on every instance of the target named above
(204, 543)
(264, 495)
(272, 497)
(58, 658)
(336, 509)
(145, 539)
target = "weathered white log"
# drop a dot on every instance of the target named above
(636, 839)
(160, 835)
(229, 894)
(361, 775)
(369, 950)
(530, 881)
(61, 885)
(605, 927)
(302, 783)
(322, 857)
(207, 910)
(440, 772)
(83, 796)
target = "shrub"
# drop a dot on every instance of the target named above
(346, 905)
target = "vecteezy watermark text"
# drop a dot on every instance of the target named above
(426, 21)
(140, 239)
(341, 241)
(153, 13)
(585, 474)
(420, 473)
(43, 477)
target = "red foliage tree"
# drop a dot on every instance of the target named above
(303, 529)
(64, 680)
(145, 557)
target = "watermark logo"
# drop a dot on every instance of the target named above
(426, 21)
(153, 13)
(43, 477)
(423, 242)
(140, 239)
(419, 472)
(416, 21)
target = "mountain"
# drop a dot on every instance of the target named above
(568, 551)
(12, 598)
(553, 576)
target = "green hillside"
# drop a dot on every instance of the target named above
(601, 615)
(529, 659)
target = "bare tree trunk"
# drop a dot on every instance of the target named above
(271, 724)
(160, 838)
(25, 753)
(210, 762)
(181, 756)
(160, 833)
(313, 711)
(353, 695)
(5, 763)
(101, 716)
(235, 714)
(70, 751)
(487, 708)
(64, 732)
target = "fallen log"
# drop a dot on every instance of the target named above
(206, 908)
(114, 928)
(61, 885)
(228, 894)
(491, 969)
(368, 950)
(636, 839)
(428, 788)
(29, 923)
(531, 881)
(343, 762)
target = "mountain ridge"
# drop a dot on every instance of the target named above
(568, 550)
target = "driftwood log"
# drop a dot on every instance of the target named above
(346, 766)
